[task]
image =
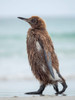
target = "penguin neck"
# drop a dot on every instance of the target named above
(38, 28)
(42, 31)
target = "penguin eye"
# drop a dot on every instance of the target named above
(34, 21)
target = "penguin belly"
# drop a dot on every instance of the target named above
(38, 64)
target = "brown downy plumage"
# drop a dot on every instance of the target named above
(42, 57)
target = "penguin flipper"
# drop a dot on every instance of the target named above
(49, 63)
(48, 60)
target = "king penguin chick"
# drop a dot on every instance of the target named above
(42, 57)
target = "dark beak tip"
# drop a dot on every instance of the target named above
(25, 19)
(19, 17)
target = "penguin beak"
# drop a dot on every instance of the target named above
(25, 19)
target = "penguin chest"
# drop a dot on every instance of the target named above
(35, 52)
(33, 46)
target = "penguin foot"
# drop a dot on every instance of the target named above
(39, 92)
(63, 84)
(55, 86)
(64, 88)
(35, 93)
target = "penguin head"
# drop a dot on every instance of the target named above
(35, 22)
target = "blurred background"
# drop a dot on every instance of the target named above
(59, 16)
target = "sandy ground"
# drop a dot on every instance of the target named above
(18, 88)
(14, 90)
(40, 98)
